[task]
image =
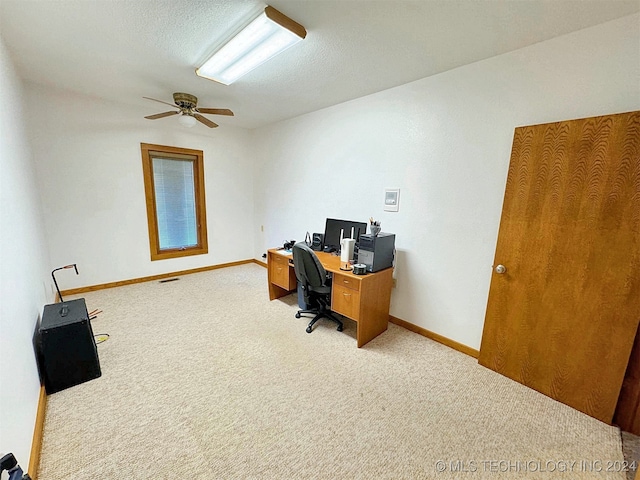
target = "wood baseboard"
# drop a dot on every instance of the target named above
(259, 262)
(472, 352)
(102, 286)
(38, 430)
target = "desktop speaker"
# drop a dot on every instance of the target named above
(317, 242)
(67, 352)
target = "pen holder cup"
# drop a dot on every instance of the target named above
(375, 230)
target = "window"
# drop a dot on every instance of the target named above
(174, 190)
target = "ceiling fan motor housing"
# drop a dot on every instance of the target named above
(185, 100)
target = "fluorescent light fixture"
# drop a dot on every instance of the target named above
(266, 36)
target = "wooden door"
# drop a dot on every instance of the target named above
(563, 316)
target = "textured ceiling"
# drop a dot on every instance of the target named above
(124, 50)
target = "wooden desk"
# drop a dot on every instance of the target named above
(363, 298)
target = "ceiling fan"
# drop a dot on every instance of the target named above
(188, 110)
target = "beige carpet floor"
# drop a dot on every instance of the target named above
(204, 378)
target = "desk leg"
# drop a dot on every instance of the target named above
(371, 328)
(276, 292)
(375, 298)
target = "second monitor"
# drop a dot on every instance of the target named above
(334, 228)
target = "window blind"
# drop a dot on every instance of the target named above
(175, 202)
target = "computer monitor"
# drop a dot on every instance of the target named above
(334, 227)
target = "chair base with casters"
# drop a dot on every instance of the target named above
(321, 312)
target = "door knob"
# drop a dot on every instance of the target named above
(501, 269)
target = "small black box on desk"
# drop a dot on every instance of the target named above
(67, 351)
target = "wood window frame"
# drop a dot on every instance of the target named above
(150, 150)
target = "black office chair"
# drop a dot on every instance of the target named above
(316, 286)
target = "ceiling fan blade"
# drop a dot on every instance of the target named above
(161, 115)
(206, 121)
(216, 111)
(161, 101)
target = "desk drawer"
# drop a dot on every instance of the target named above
(346, 281)
(280, 259)
(281, 274)
(345, 301)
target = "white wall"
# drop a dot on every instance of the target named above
(445, 142)
(24, 267)
(89, 166)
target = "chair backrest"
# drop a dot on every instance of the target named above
(308, 268)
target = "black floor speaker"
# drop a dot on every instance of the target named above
(67, 352)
